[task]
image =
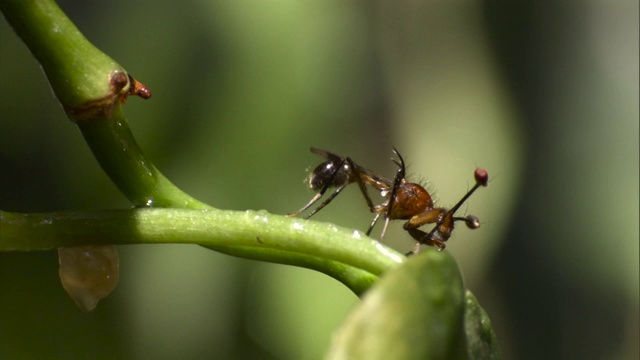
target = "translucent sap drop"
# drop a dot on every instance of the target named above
(88, 273)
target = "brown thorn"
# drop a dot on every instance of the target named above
(135, 88)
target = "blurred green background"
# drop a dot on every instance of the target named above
(543, 95)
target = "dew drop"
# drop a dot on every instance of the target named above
(88, 273)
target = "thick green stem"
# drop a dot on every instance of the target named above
(347, 255)
(91, 86)
(78, 72)
(115, 148)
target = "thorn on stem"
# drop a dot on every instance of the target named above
(135, 87)
(139, 89)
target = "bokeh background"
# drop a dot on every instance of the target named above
(542, 94)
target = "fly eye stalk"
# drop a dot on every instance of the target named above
(472, 222)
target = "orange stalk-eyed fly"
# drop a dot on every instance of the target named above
(404, 200)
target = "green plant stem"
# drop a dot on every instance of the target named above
(352, 256)
(77, 71)
(90, 87)
(119, 155)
